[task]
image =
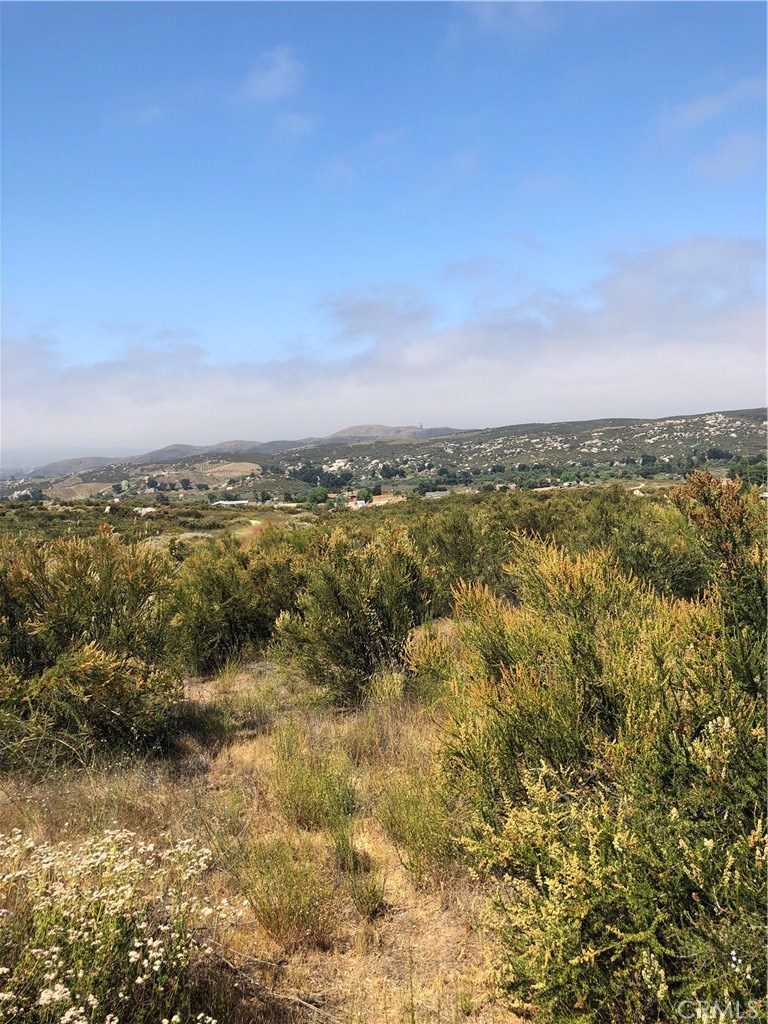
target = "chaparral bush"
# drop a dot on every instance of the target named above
(64, 593)
(353, 617)
(228, 597)
(607, 746)
(85, 636)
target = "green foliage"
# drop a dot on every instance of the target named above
(84, 636)
(732, 527)
(648, 539)
(92, 697)
(610, 767)
(227, 599)
(313, 786)
(620, 908)
(360, 602)
(74, 592)
(754, 471)
(368, 892)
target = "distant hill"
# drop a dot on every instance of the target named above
(376, 431)
(171, 453)
(64, 467)
(175, 452)
(366, 453)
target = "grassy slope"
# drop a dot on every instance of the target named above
(423, 958)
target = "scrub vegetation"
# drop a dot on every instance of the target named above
(495, 758)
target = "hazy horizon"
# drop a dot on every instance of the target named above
(268, 221)
(44, 456)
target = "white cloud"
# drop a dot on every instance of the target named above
(336, 170)
(295, 126)
(679, 329)
(737, 155)
(276, 74)
(476, 269)
(148, 115)
(381, 151)
(698, 112)
(513, 21)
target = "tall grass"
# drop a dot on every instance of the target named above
(415, 814)
(290, 895)
(313, 786)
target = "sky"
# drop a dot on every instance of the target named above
(274, 220)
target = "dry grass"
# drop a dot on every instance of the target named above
(419, 956)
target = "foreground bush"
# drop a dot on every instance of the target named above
(66, 593)
(360, 602)
(103, 932)
(85, 643)
(611, 762)
(89, 700)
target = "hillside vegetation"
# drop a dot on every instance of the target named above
(411, 460)
(498, 757)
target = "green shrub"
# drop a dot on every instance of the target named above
(360, 602)
(650, 540)
(86, 643)
(94, 697)
(227, 599)
(731, 524)
(610, 763)
(69, 593)
(368, 891)
(429, 658)
(314, 787)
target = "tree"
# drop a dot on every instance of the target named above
(316, 495)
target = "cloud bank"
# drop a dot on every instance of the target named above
(679, 329)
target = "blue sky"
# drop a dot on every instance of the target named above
(262, 220)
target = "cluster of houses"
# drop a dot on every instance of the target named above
(378, 499)
(352, 500)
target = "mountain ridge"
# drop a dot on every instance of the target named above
(361, 436)
(173, 452)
